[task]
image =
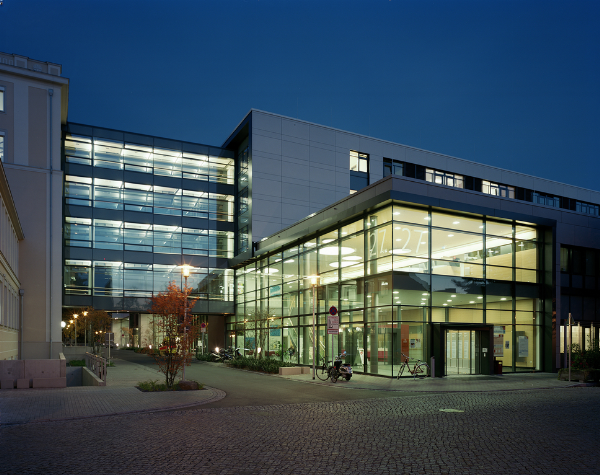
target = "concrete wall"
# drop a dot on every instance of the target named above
(299, 168)
(33, 373)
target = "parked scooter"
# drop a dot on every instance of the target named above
(340, 370)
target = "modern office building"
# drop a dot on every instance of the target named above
(421, 253)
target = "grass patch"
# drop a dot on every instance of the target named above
(264, 365)
(155, 386)
(77, 363)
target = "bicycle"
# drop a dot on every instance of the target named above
(420, 368)
(323, 371)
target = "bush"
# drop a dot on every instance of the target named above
(586, 359)
(205, 357)
(77, 363)
(265, 365)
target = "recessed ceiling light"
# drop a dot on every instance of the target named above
(479, 297)
(456, 222)
(503, 298)
(472, 301)
(423, 299)
(395, 292)
(453, 296)
(397, 229)
(480, 227)
(444, 304)
(425, 293)
(448, 300)
(450, 235)
(396, 213)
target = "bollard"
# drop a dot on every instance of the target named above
(433, 366)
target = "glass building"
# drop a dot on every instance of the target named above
(137, 208)
(406, 279)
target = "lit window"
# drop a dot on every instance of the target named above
(443, 178)
(1, 146)
(1, 99)
(495, 189)
(359, 162)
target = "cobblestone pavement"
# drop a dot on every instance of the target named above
(541, 432)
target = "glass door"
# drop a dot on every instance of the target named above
(462, 348)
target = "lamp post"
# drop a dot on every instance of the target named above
(185, 270)
(75, 316)
(313, 280)
(63, 324)
(70, 321)
(85, 332)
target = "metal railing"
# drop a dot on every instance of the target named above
(97, 365)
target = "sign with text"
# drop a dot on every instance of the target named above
(109, 338)
(333, 324)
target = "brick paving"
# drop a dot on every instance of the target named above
(119, 396)
(510, 432)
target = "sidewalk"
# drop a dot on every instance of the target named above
(472, 383)
(119, 396)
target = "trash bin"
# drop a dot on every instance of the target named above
(497, 366)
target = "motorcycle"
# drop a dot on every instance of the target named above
(340, 370)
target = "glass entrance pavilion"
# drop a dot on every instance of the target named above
(407, 279)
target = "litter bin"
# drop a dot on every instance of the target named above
(497, 366)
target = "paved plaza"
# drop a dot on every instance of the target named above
(251, 424)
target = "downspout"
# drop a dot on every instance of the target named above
(21, 293)
(50, 93)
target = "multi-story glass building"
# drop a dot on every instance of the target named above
(137, 208)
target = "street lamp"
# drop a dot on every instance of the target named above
(185, 270)
(70, 321)
(85, 331)
(75, 315)
(314, 280)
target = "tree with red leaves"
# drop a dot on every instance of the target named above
(177, 327)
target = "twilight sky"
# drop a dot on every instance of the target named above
(510, 83)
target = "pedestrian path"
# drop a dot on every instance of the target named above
(119, 396)
(467, 383)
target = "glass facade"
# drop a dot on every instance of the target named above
(135, 212)
(393, 274)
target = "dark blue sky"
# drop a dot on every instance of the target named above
(514, 84)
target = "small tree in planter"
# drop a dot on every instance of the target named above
(175, 324)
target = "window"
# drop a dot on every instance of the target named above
(392, 167)
(1, 99)
(444, 178)
(1, 146)
(359, 162)
(359, 171)
(495, 189)
(587, 208)
(544, 199)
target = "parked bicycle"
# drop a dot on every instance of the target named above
(333, 370)
(420, 368)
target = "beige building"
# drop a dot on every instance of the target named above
(33, 105)
(10, 298)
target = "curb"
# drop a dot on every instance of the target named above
(218, 394)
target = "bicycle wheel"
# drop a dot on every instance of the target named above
(401, 370)
(322, 372)
(334, 375)
(422, 371)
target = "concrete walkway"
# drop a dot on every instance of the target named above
(474, 383)
(119, 396)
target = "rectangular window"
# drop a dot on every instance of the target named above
(359, 162)
(496, 189)
(544, 199)
(1, 146)
(2, 98)
(392, 167)
(587, 208)
(444, 178)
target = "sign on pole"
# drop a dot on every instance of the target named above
(203, 327)
(333, 322)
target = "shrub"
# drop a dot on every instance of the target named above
(77, 363)
(205, 357)
(586, 359)
(154, 386)
(265, 365)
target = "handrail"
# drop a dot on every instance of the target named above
(96, 364)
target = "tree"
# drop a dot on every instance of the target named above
(94, 322)
(176, 325)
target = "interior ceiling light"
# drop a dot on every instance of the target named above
(335, 265)
(289, 261)
(472, 301)
(400, 251)
(453, 296)
(352, 258)
(450, 235)
(396, 213)
(479, 297)
(333, 250)
(326, 241)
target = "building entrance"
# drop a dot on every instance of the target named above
(463, 349)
